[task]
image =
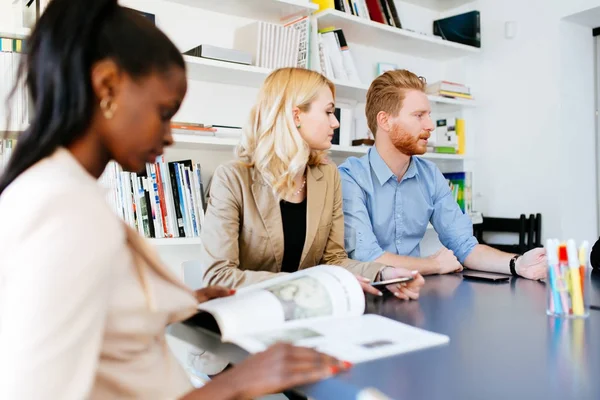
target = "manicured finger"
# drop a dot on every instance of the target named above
(213, 292)
(410, 293)
(367, 288)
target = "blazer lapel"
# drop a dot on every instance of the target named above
(270, 214)
(316, 190)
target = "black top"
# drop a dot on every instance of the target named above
(595, 255)
(293, 216)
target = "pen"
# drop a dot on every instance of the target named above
(562, 276)
(575, 278)
(552, 253)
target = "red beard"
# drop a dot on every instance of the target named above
(406, 142)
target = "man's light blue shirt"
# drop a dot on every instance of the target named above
(384, 215)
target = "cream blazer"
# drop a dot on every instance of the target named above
(242, 235)
(84, 301)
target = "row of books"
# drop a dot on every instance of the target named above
(167, 201)
(382, 11)
(449, 89)
(448, 137)
(461, 187)
(6, 149)
(336, 61)
(276, 46)
(16, 114)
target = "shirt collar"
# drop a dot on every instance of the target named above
(383, 172)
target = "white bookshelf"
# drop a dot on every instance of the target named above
(439, 5)
(21, 33)
(369, 33)
(203, 69)
(197, 142)
(265, 10)
(176, 241)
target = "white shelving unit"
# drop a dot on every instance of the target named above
(202, 69)
(16, 34)
(369, 33)
(195, 241)
(439, 5)
(266, 10)
(195, 142)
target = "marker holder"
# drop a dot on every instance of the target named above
(562, 294)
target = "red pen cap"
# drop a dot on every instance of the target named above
(562, 254)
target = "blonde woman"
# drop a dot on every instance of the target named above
(278, 207)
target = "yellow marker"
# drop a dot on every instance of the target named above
(575, 281)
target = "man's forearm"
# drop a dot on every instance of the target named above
(425, 266)
(485, 258)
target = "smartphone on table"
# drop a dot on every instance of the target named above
(394, 281)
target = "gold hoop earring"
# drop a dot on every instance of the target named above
(108, 107)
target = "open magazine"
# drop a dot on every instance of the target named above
(320, 307)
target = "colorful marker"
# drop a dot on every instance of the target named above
(575, 278)
(552, 254)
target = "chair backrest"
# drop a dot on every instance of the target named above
(503, 225)
(534, 233)
(193, 272)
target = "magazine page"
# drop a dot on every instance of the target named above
(317, 292)
(355, 339)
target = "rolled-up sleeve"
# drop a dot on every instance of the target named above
(359, 238)
(453, 227)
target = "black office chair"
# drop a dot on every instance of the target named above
(517, 226)
(534, 231)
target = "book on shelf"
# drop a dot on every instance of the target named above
(461, 187)
(164, 202)
(321, 307)
(6, 150)
(382, 11)
(336, 61)
(449, 89)
(14, 114)
(276, 46)
(344, 134)
(448, 137)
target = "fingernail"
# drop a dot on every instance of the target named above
(379, 293)
(334, 369)
(347, 364)
(232, 292)
(415, 272)
(398, 295)
(365, 279)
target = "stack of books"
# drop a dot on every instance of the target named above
(448, 137)
(201, 129)
(167, 201)
(449, 89)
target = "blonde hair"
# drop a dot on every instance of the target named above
(271, 142)
(387, 93)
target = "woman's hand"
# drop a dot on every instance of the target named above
(407, 290)
(365, 284)
(212, 292)
(282, 366)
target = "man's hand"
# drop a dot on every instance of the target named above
(533, 264)
(446, 262)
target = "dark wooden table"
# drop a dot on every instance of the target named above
(502, 346)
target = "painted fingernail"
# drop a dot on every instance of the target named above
(415, 272)
(334, 369)
(379, 293)
(232, 292)
(347, 364)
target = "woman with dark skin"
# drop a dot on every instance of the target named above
(84, 301)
